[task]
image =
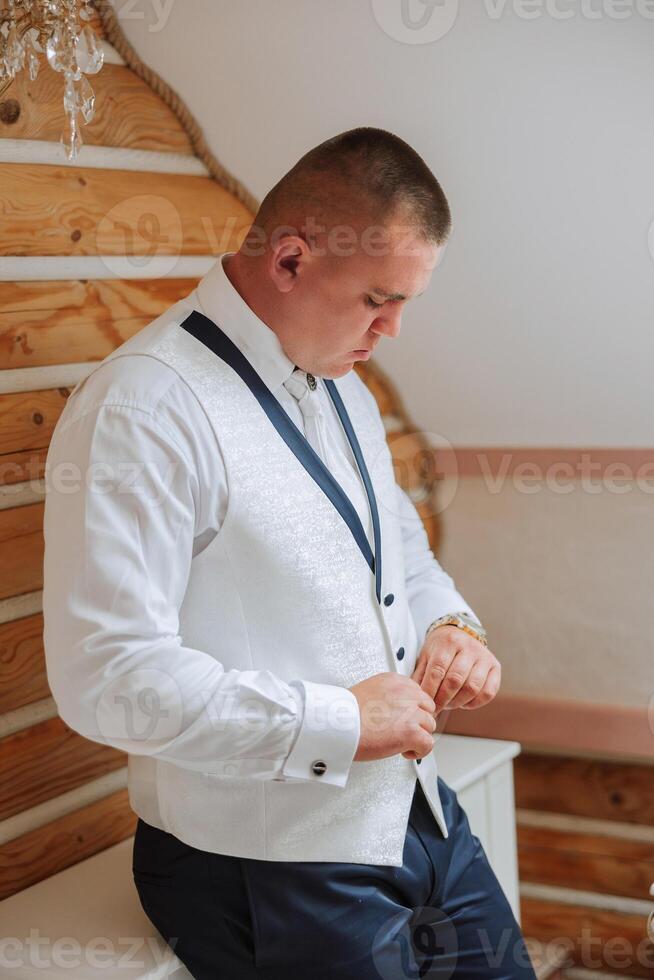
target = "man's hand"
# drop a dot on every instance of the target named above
(396, 716)
(456, 670)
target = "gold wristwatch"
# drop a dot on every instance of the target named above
(464, 621)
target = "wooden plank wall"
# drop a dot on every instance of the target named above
(586, 858)
(84, 263)
(137, 190)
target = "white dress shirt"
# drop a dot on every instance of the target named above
(115, 574)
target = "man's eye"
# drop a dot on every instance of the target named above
(372, 303)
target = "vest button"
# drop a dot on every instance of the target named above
(400, 653)
(388, 599)
(319, 767)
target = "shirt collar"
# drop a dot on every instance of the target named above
(220, 301)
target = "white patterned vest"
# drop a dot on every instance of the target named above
(284, 586)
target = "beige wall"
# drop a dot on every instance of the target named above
(563, 582)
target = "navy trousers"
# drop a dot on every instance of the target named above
(441, 915)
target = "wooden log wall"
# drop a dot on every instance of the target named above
(89, 253)
(586, 860)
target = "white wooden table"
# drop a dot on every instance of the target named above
(86, 922)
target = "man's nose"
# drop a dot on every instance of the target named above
(388, 325)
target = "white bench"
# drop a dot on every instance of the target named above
(86, 922)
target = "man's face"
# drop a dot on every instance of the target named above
(340, 307)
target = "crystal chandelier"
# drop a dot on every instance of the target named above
(56, 28)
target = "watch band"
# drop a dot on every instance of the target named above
(463, 621)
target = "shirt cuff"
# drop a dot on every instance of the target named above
(329, 734)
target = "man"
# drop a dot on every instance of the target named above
(245, 602)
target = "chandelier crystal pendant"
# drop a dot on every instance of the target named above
(60, 30)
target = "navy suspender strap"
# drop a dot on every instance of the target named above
(363, 469)
(211, 335)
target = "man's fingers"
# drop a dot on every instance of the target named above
(428, 721)
(436, 670)
(456, 676)
(473, 685)
(489, 690)
(426, 702)
(419, 670)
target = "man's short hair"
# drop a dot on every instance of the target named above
(364, 174)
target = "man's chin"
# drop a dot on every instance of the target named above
(339, 370)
